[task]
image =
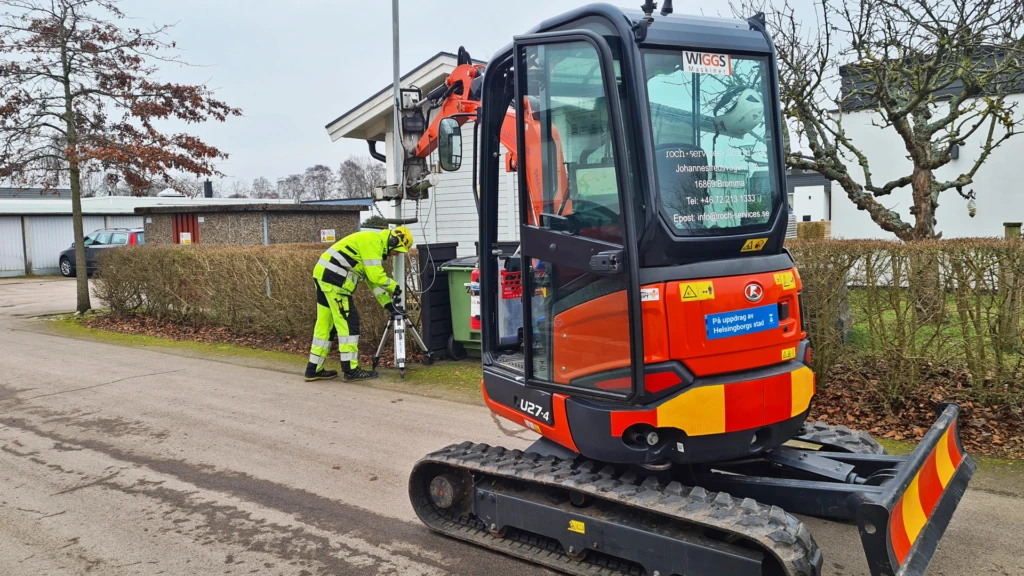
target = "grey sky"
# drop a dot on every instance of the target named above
(295, 66)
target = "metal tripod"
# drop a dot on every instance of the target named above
(399, 324)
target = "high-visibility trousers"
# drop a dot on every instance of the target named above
(335, 314)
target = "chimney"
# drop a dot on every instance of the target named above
(207, 189)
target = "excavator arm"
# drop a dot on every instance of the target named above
(457, 99)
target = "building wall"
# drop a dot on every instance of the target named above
(124, 221)
(231, 228)
(246, 228)
(449, 215)
(288, 228)
(12, 247)
(158, 228)
(999, 184)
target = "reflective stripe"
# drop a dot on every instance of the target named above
(379, 291)
(339, 257)
(333, 268)
(372, 262)
(348, 340)
(321, 343)
(349, 356)
(315, 359)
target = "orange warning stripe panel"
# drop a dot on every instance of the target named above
(915, 507)
(558, 431)
(720, 408)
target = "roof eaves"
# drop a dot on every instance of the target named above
(405, 76)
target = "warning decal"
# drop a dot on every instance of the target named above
(754, 245)
(786, 280)
(693, 291)
(577, 526)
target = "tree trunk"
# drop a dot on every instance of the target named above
(925, 204)
(81, 263)
(925, 280)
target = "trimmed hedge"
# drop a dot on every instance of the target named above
(917, 311)
(268, 289)
(898, 314)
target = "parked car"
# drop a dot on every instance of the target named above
(98, 241)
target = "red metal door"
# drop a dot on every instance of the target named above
(185, 223)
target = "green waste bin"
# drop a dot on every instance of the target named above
(464, 340)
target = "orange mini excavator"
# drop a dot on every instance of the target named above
(662, 356)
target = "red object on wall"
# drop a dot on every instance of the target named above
(185, 223)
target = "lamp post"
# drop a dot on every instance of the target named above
(396, 138)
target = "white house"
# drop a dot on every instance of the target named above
(449, 215)
(999, 184)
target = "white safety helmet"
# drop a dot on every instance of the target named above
(739, 111)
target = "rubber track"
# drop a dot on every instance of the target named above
(770, 527)
(842, 437)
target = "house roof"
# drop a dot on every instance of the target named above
(115, 205)
(35, 193)
(369, 119)
(259, 206)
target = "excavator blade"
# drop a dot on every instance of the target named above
(901, 529)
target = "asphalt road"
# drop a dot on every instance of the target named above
(117, 460)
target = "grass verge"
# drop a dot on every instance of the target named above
(458, 381)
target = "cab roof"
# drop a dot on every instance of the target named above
(683, 30)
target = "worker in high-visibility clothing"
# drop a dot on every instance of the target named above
(356, 257)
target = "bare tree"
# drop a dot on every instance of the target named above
(239, 189)
(262, 188)
(78, 89)
(319, 182)
(359, 175)
(291, 187)
(937, 72)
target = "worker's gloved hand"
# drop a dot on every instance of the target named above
(397, 294)
(395, 311)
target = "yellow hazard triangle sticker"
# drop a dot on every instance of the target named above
(693, 291)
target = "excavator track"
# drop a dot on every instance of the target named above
(720, 519)
(840, 438)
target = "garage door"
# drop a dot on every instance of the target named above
(50, 235)
(12, 247)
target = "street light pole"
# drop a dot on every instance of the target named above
(396, 139)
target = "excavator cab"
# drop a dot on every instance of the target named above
(663, 357)
(652, 222)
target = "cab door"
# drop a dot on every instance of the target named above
(580, 293)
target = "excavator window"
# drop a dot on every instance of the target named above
(711, 141)
(570, 175)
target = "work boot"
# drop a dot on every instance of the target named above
(359, 374)
(312, 373)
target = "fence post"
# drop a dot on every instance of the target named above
(1009, 287)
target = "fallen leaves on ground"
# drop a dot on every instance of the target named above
(988, 430)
